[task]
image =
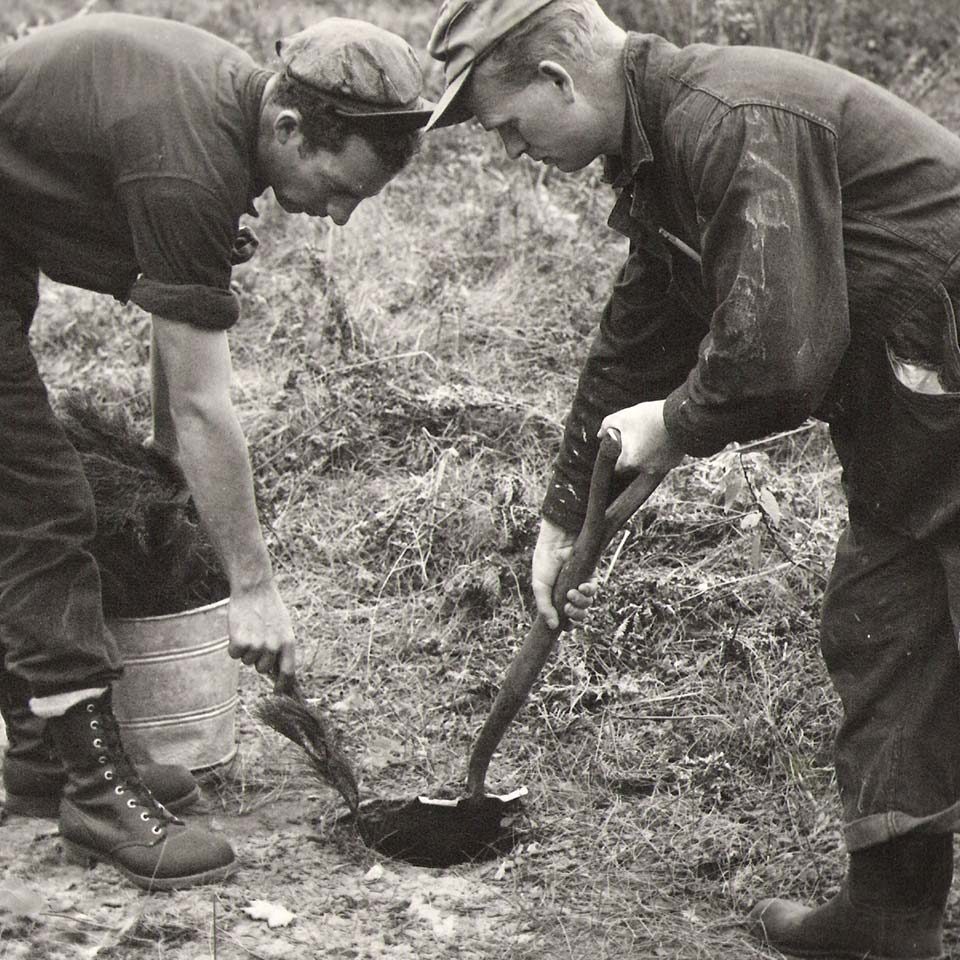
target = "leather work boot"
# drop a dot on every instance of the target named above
(108, 814)
(889, 907)
(33, 776)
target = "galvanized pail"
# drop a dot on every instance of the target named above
(177, 699)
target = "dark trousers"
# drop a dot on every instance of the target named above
(891, 613)
(52, 630)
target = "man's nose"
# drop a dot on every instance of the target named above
(341, 209)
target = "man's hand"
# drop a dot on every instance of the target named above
(261, 634)
(554, 545)
(213, 456)
(645, 445)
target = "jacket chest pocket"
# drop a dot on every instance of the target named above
(635, 215)
(686, 285)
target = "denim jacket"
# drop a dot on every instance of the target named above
(779, 209)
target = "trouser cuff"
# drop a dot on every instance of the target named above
(883, 827)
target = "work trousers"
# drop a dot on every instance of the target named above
(52, 629)
(891, 612)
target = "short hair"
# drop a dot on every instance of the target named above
(562, 30)
(323, 128)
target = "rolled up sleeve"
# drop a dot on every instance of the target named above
(192, 303)
(184, 237)
(767, 190)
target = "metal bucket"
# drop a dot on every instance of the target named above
(177, 699)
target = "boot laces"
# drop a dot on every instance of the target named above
(104, 725)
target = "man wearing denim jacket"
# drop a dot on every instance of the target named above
(794, 252)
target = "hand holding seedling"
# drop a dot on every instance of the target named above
(261, 633)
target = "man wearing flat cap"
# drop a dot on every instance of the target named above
(130, 147)
(794, 252)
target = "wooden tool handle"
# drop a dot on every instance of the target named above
(590, 542)
(599, 526)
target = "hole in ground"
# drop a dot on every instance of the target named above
(431, 835)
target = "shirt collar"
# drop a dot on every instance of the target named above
(621, 170)
(252, 105)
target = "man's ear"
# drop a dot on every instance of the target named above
(559, 77)
(286, 124)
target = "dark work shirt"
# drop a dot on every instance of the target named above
(127, 152)
(819, 209)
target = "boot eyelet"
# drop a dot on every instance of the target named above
(157, 831)
(97, 744)
(118, 790)
(89, 708)
(107, 774)
(145, 817)
(94, 724)
(131, 803)
(101, 760)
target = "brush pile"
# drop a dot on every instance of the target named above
(153, 556)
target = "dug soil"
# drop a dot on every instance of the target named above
(307, 888)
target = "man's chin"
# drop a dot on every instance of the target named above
(564, 166)
(286, 204)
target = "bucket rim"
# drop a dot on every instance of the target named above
(193, 611)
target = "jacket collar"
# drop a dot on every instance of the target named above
(646, 61)
(635, 145)
(252, 106)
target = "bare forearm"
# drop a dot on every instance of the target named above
(214, 460)
(164, 434)
(213, 455)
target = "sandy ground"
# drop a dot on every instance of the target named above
(326, 894)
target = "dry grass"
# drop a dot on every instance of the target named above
(401, 382)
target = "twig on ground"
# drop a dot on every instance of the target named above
(767, 522)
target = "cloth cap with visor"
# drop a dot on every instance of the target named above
(465, 31)
(368, 75)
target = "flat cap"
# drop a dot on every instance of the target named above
(367, 74)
